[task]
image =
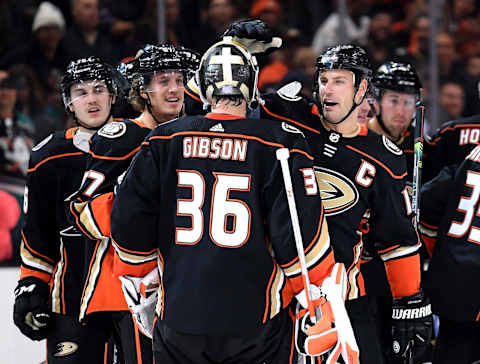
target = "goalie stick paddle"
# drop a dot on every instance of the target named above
(418, 161)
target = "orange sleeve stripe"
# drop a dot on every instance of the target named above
(139, 270)
(101, 208)
(404, 275)
(388, 249)
(34, 251)
(290, 120)
(150, 252)
(378, 162)
(316, 274)
(27, 272)
(192, 95)
(429, 244)
(53, 157)
(126, 156)
(433, 227)
(302, 152)
(267, 293)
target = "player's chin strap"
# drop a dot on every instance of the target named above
(148, 104)
(354, 106)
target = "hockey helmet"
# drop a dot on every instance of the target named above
(162, 58)
(86, 69)
(348, 57)
(397, 76)
(227, 69)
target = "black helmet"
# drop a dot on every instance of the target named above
(85, 69)
(346, 57)
(397, 76)
(160, 58)
(227, 69)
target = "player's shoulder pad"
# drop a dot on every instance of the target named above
(118, 139)
(53, 146)
(383, 153)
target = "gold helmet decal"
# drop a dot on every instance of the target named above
(338, 192)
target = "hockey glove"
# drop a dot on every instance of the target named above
(141, 296)
(31, 313)
(254, 35)
(315, 338)
(411, 326)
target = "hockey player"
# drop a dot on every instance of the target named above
(158, 75)
(359, 174)
(48, 293)
(451, 143)
(449, 205)
(207, 198)
(397, 91)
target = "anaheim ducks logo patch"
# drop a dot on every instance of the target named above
(338, 192)
(112, 130)
(65, 348)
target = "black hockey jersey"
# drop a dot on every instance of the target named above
(111, 150)
(450, 205)
(451, 144)
(205, 199)
(51, 248)
(360, 176)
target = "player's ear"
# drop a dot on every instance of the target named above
(362, 90)
(71, 108)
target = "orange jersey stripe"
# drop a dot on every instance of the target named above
(35, 252)
(126, 156)
(53, 157)
(379, 163)
(290, 120)
(26, 272)
(192, 95)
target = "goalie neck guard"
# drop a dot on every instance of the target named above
(227, 69)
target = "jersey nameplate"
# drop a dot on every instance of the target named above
(113, 130)
(391, 146)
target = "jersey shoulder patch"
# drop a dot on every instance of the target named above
(112, 130)
(391, 146)
(290, 91)
(42, 143)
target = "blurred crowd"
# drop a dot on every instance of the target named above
(39, 38)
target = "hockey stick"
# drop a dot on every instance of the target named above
(282, 155)
(333, 284)
(418, 161)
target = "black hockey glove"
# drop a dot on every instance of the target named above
(31, 312)
(411, 326)
(254, 35)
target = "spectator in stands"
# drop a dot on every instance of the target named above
(33, 103)
(380, 43)
(452, 99)
(447, 56)
(85, 38)
(177, 32)
(270, 12)
(356, 27)
(219, 15)
(15, 132)
(43, 53)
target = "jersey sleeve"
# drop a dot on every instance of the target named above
(39, 249)
(392, 230)
(313, 225)
(433, 202)
(137, 202)
(109, 157)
